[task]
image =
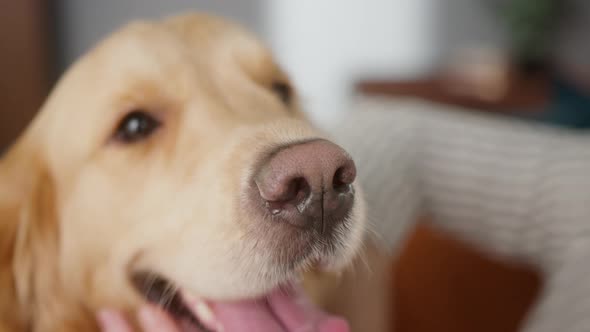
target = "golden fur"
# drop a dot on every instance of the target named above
(79, 212)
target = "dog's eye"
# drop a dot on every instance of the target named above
(283, 91)
(136, 126)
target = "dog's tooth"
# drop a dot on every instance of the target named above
(207, 316)
(203, 312)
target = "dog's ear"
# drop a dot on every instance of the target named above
(39, 298)
(36, 247)
(20, 170)
(33, 296)
(28, 236)
(39, 293)
(27, 228)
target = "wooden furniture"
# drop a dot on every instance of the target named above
(25, 63)
(442, 284)
(522, 94)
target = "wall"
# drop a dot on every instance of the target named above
(328, 44)
(468, 23)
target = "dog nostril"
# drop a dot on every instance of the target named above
(302, 190)
(295, 192)
(344, 177)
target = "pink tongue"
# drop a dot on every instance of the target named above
(284, 311)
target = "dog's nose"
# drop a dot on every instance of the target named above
(307, 185)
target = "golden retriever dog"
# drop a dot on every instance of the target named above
(174, 159)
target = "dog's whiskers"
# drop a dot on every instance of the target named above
(149, 283)
(168, 296)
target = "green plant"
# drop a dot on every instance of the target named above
(531, 25)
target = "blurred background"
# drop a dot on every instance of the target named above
(522, 58)
(332, 48)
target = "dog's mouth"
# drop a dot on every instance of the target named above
(285, 309)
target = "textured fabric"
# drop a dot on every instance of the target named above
(517, 190)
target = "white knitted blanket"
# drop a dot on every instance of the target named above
(515, 189)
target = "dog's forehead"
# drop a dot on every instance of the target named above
(143, 47)
(199, 38)
(196, 44)
(174, 54)
(171, 54)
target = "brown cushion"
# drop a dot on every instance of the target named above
(442, 285)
